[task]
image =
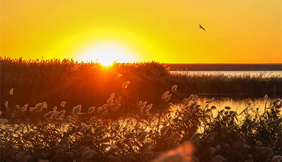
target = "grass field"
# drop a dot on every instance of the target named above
(89, 84)
(54, 110)
(191, 133)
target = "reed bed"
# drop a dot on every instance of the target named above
(91, 83)
(38, 132)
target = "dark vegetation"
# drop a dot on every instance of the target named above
(126, 126)
(91, 84)
(196, 133)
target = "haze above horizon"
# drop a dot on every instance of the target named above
(135, 31)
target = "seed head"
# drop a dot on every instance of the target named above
(6, 104)
(211, 135)
(125, 84)
(212, 150)
(99, 128)
(112, 95)
(164, 130)
(88, 154)
(24, 108)
(105, 112)
(168, 98)
(254, 125)
(196, 136)
(218, 158)
(186, 104)
(84, 129)
(195, 159)
(277, 158)
(110, 101)
(82, 150)
(185, 100)
(175, 136)
(217, 147)
(149, 107)
(142, 137)
(60, 114)
(76, 109)
(119, 75)
(259, 143)
(63, 104)
(50, 114)
(104, 106)
(246, 146)
(140, 103)
(3, 120)
(191, 97)
(271, 123)
(117, 101)
(91, 109)
(147, 112)
(231, 127)
(170, 104)
(93, 118)
(11, 92)
(129, 135)
(174, 88)
(40, 106)
(164, 96)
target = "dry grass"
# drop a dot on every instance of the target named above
(191, 133)
(90, 84)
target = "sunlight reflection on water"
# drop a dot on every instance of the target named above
(236, 104)
(232, 73)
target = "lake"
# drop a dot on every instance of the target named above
(237, 105)
(232, 73)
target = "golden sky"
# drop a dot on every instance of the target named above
(237, 31)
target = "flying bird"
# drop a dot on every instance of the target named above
(200, 26)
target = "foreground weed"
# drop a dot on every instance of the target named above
(104, 133)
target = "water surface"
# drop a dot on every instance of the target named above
(232, 73)
(236, 104)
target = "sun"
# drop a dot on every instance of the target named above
(106, 53)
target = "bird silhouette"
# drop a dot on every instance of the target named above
(200, 26)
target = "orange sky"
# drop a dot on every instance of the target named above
(248, 31)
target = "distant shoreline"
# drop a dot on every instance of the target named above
(224, 67)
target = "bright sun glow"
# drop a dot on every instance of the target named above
(106, 54)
